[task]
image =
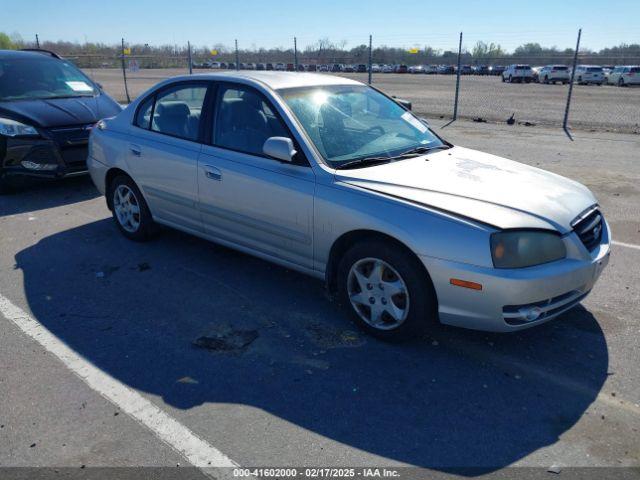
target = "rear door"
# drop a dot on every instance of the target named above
(163, 152)
(246, 198)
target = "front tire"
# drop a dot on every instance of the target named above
(387, 292)
(130, 210)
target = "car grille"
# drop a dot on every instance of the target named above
(72, 142)
(71, 136)
(589, 229)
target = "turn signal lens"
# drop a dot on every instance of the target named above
(465, 284)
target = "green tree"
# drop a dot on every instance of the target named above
(5, 42)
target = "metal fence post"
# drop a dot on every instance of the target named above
(189, 58)
(455, 105)
(37, 41)
(237, 56)
(124, 73)
(370, 58)
(565, 122)
(295, 54)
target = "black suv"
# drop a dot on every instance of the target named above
(47, 110)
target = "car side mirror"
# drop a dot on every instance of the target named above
(280, 148)
(405, 103)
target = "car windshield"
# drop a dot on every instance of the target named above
(40, 77)
(348, 123)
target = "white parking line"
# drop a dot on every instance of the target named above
(627, 245)
(197, 451)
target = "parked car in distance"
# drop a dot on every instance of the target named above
(589, 74)
(381, 208)
(280, 67)
(482, 70)
(375, 68)
(401, 69)
(388, 69)
(553, 74)
(518, 73)
(431, 69)
(349, 68)
(361, 68)
(337, 67)
(312, 67)
(323, 68)
(497, 70)
(416, 69)
(623, 76)
(446, 70)
(261, 66)
(47, 110)
(290, 67)
(300, 67)
(466, 70)
(269, 66)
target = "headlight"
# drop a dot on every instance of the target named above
(525, 248)
(13, 128)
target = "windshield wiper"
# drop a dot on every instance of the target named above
(368, 161)
(55, 97)
(363, 162)
(421, 150)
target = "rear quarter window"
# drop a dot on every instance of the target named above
(143, 116)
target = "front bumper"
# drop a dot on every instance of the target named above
(506, 294)
(43, 156)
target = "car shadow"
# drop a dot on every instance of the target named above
(456, 401)
(30, 195)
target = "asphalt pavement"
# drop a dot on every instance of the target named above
(103, 362)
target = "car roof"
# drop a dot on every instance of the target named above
(276, 80)
(9, 54)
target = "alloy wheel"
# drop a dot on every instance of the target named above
(127, 208)
(378, 293)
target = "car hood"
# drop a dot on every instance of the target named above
(479, 186)
(58, 112)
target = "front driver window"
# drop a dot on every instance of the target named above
(245, 121)
(177, 112)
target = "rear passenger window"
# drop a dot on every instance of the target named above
(245, 121)
(178, 111)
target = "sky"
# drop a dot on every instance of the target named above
(274, 23)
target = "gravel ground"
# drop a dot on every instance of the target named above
(309, 389)
(593, 108)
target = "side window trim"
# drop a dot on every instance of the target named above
(154, 95)
(220, 89)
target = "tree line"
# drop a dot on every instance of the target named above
(324, 51)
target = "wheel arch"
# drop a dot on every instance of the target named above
(342, 244)
(112, 173)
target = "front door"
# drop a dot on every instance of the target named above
(246, 198)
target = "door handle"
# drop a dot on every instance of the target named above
(135, 150)
(212, 173)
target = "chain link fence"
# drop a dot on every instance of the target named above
(448, 84)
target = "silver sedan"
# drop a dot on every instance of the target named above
(335, 179)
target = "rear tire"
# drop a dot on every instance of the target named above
(387, 292)
(621, 82)
(130, 210)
